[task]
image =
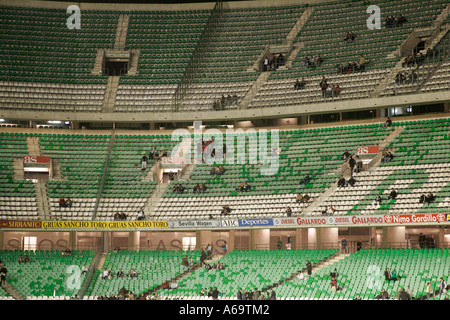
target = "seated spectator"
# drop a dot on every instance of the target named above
(196, 188)
(429, 198)
(306, 198)
(288, 212)
(132, 274)
(351, 182)
(378, 199)
(84, 269)
(141, 215)
(62, 202)
(329, 211)
(26, 259)
(394, 276)
(334, 286)
(116, 216)
(362, 63)
(298, 85)
(336, 90)
(306, 62)
(20, 259)
(400, 78)
(323, 86)
(69, 203)
(244, 187)
(359, 164)
(306, 180)
(341, 182)
(393, 194)
(122, 216)
(213, 171)
(221, 169)
(165, 285)
(105, 274)
(299, 198)
(422, 198)
(225, 210)
(388, 122)
(202, 188)
(329, 92)
(324, 211)
(120, 274)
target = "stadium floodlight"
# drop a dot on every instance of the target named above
(54, 121)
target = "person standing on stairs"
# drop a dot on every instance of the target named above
(144, 161)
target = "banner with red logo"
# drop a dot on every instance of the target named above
(36, 160)
(368, 150)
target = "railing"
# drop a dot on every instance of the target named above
(191, 70)
(102, 182)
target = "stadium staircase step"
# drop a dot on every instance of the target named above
(110, 94)
(41, 199)
(155, 199)
(133, 69)
(98, 63)
(56, 168)
(18, 168)
(299, 25)
(34, 149)
(390, 76)
(12, 291)
(121, 31)
(251, 93)
(186, 172)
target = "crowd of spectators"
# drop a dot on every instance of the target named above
(314, 61)
(120, 216)
(353, 66)
(65, 203)
(225, 101)
(395, 21)
(427, 198)
(329, 91)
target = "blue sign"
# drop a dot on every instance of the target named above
(255, 222)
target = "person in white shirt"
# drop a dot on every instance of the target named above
(84, 270)
(140, 215)
(105, 274)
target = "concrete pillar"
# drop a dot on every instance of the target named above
(260, 239)
(447, 107)
(134, 240)
(394, 237)
(301, 235)
(2, 240)
(441, 239)
(373, 237)
(328, 238)
(312, 238)
(75, 125)
(72, 240)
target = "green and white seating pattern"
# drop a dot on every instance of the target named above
(363, 273)
(48, 273)
(153, 269)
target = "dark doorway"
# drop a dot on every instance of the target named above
(115, 68)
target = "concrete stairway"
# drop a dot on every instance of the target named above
(251, 93)
(98, 63)
(121, 32)
(42, 200)
(18, 168)
(299, 25)
(110, 95)
(155, 199)
(12, 291)
(387, 79)
(133, 69)
(334, 259)
(34, 149)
